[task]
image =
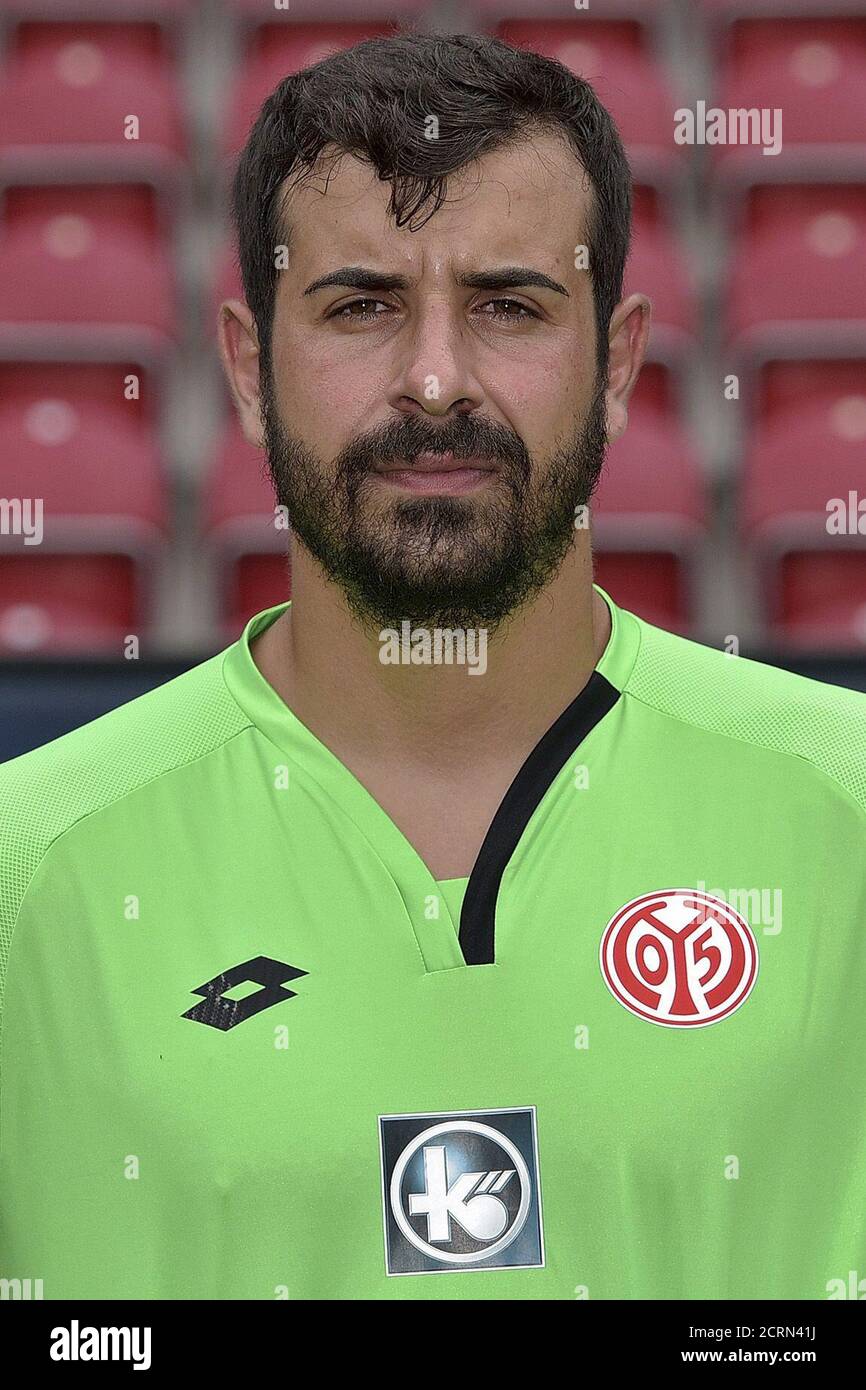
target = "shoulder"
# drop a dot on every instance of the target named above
(759, 704)
(45, 792)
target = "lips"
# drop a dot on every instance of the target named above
(438, 463)
(444, 474)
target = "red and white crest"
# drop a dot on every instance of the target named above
(679, 957)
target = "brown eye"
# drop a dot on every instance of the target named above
(347, 313)
(513, 313)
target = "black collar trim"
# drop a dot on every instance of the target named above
(548, 757)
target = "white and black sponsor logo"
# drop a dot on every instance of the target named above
(461, 1191)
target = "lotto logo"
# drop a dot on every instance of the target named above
(679, 958)
(461, 1191)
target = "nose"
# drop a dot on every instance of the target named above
(435, 374)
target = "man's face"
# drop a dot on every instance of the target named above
(431, 433)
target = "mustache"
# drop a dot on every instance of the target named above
(464, 436)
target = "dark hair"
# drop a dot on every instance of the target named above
(372, 101)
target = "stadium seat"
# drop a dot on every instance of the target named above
(84, 272)
(238, 493)
(723, 11)
(314, 11)
(257, 582)
(166, 12)
(802, 488)
(86, 386)
(798, 285)
(814, 72)
(822, 601)
(783, 384)
(279, 50)
(657, 267)
(493, 11)
(239, 524)
(612, 56)
(74, 447)
(63, 605)
(649, 513)
(70, 435)
(67, 95)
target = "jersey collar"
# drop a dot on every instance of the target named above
(473, 943)
(258, 699)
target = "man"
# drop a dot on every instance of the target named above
(453, 921)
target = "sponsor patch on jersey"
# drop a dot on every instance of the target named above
(680, 958)
(460, 1191)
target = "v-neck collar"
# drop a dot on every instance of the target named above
(471, 942)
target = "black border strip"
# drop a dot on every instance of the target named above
(548, 757)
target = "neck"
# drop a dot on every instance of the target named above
(326, 667)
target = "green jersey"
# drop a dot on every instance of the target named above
(252, 1049)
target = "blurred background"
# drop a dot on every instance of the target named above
(734, 509)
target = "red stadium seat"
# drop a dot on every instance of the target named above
(69, 436)
(77, 450)
(239, 500)
(649, 513)
(657, 267)
(803, 483)
(823, 601)
(257, 582)
(613, 58)
(55, 605)
(783, 384)
(722, 11)
(279, 50)
(314, 11)
(86, 386)
(67, 94)
(239, 523)
(83, 271)
(490, 11)
(814, 72)
(162, 11)
(799, 273)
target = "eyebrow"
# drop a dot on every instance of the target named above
(509, 277)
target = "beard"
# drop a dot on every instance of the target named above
(468, 561)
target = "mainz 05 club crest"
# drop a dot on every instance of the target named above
(679, 958)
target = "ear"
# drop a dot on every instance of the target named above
(239, 351)
(628, 336)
